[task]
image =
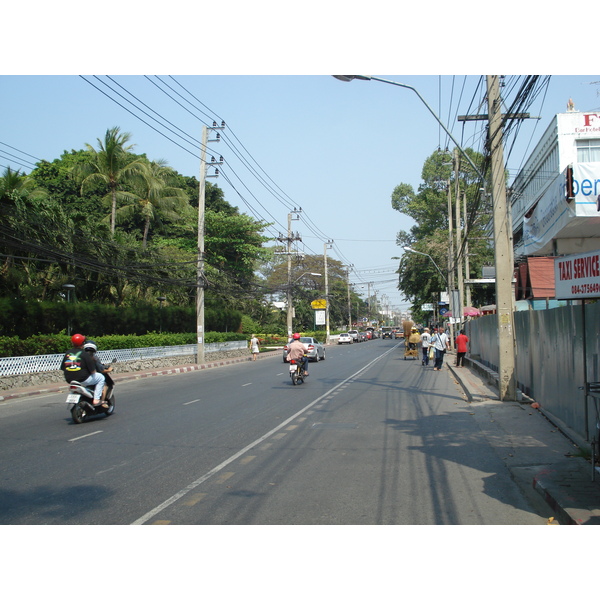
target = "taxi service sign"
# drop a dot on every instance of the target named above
(319, 304)
(577, 276)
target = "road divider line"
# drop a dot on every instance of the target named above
(84, 436)
(192, 486)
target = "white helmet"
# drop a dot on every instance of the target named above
(90, 346)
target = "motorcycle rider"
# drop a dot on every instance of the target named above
(79, 365)
(297, 352)
(91, 347)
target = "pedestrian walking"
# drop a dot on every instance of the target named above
(425, 342)
(441, 343)
(254, 344)
(461, 348)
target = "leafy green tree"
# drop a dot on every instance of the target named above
(419, 280)
(156, 199)
(14, 185)
(113, 165)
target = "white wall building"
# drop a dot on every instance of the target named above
(555, 198)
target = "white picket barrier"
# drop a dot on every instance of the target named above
(23, 365)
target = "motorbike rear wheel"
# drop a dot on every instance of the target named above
(297, 378)
(111, 407)
(78, 414)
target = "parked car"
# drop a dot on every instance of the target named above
(354, 335)
(345, 338)
(314, 349)
(363, 336)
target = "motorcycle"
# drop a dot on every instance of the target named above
(297, 372)
(80, 400)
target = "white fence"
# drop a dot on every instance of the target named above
(23, 365)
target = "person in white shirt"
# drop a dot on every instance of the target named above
(441, 343)
(425, 341)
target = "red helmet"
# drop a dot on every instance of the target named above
(296, 336)
(78, 339)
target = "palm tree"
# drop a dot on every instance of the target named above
(155, 199)
(14, 184)
(113, 165)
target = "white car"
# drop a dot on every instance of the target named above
(354, 335)
(345, 338)
(314, 349)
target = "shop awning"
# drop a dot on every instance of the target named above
(535, 278)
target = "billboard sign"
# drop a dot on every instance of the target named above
(319, 317)
(577, 276)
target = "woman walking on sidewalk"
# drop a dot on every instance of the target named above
(254, 344)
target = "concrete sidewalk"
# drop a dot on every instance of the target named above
(541, 459)
(537, 453)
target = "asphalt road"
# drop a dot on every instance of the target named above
(370, 438)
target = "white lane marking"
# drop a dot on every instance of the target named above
(84, 436)
(245, 384)
(192, 401)
(192, 486)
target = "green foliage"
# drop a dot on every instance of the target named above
(25, 319)
(419, 279)
(249, 325)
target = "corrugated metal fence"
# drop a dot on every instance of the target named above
(550, 357)
(21, 365)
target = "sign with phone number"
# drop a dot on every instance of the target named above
(577, 276)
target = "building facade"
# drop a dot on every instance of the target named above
(555, 204)
(555, 198)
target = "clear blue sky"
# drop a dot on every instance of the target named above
(337, 150)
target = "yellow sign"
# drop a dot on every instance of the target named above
(321, 303)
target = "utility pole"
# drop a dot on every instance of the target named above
(466, 240)
(325, 246)
(291, 237)
(459, 254)
(200, 277)
(451, 248)
(502, 246)
(349, 304)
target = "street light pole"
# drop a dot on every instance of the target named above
(160, 299)
(68, 287)
(431, 259)
(502, 227)
(327, 332)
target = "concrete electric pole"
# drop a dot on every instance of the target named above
(291, 237)
(200, 277)
(502, 246)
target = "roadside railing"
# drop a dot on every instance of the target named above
(23, 365)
